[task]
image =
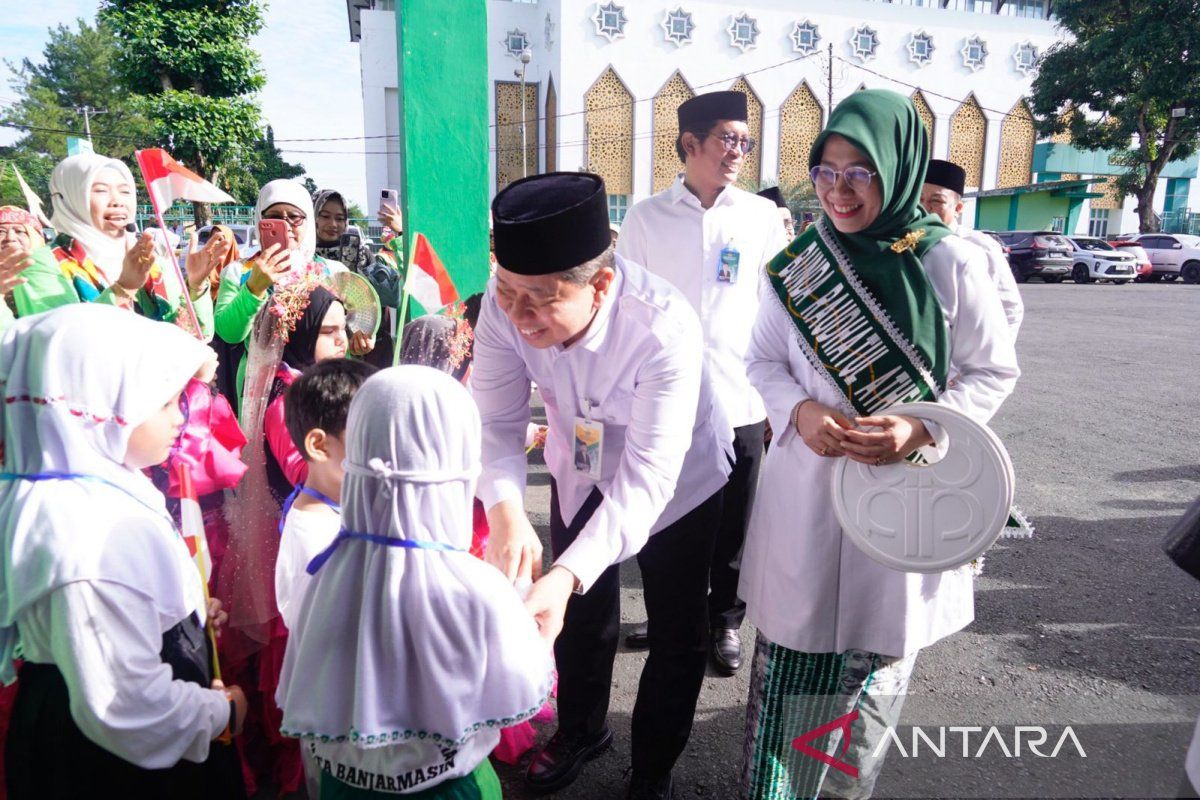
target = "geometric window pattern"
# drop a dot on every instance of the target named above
(800, 120)
(974, 53)
(805, 37)
(864, 41)
(666, 161)
(677, 26)
(610, 21)
(925, 113)
(551, 127)
(920, 48)
(743, 32)
(515, 41)
(1108, 187)
(968, 137)
(1025, 58)
(1017, 139)
(609, 125)
(509, 164)
(751, 171)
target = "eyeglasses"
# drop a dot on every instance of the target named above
(857, 178)
(294, 218)
(734, 142)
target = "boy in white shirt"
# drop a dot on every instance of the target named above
(315, 410)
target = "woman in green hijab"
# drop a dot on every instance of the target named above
(876, 304)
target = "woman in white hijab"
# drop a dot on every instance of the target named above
(95, 205)
(98, 592)
(410, 654)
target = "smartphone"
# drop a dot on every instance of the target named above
(350, 239)
(272, 231)
(389, 197)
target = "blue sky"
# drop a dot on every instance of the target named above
(313, 88)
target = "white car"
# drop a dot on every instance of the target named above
(1172, 255)
(1097, 260)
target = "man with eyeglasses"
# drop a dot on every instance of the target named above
(942, 195)
(711, 240)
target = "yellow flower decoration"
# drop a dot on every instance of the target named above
(908, 241)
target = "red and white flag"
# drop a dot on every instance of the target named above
(192, 521)
(168, 181)
(427, 280)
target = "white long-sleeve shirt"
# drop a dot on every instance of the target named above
(640, 367)
(805, 583)
(674, 237)
(1002, 277)
(105, 639)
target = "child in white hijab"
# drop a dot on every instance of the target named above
(409, 654)
(97, 589)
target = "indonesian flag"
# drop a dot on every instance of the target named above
(427, 280)
(192, 521)
(168, 181)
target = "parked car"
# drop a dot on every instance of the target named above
(1038, 254)
(246, 236)
(1172, 255)
(1007, 250)
(1097, 260)
(1144, 267)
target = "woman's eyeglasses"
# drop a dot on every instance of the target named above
(734, 142)
(294, 218)
(857, 178)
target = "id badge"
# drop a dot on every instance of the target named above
(727, 266)
(588, 447)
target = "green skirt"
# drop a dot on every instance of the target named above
(481, 784)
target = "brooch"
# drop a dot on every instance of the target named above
(908, 241)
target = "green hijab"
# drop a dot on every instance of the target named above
(886, 127)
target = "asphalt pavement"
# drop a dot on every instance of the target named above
(1087, 625)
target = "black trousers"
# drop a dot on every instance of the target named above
(725, 609)
(674, 566)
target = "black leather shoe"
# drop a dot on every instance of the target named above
(642, 789)
(726, 650)
(559, 762)
(638, 638)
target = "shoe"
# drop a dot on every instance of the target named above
(638, 638)
(559, 762)
(642, 789)
(726, 650)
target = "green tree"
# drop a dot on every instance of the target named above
(78, 70)
(1125, 68)
(261, 164)
(190, 69)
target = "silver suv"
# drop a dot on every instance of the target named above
(1172, 255)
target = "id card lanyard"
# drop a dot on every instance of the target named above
(727, 264)
(588, 443)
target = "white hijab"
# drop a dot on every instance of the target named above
(77, 380)
(394, 643)
(283, 190)
(71, 192)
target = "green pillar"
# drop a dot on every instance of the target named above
(443, 82)
(1073, 208)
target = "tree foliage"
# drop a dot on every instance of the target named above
(1114, 84)
(79, 69)
(192, 72)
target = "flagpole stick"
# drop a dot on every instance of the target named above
(179, 271)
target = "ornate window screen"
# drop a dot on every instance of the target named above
(551, 127)
(800, 120)
(1017, 139)
(1112, 198)
(609, 122)
(509, 164)
(666, 130)
(752, 164)
(968, 137)
(925, 112)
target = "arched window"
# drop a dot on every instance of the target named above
(968, 137)
(751, 173)
(666, 130)
(1017, 138)
(800, 120)
(609, 122)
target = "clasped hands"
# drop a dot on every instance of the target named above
(867, 440)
